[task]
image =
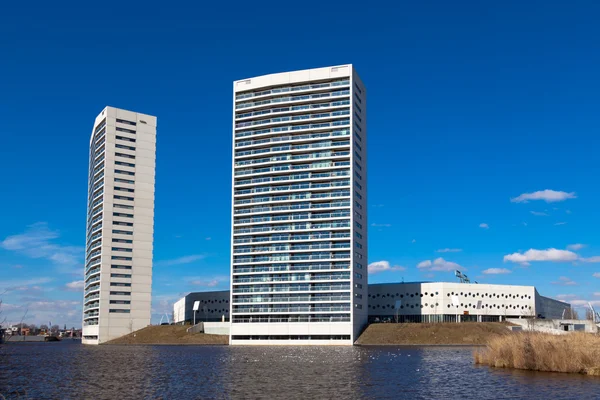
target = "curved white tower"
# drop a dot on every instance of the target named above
(299, 240)
(120, 223)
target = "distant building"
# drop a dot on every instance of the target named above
(212, 307)
(422, 302)
(120, 225)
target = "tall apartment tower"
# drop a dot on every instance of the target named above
(120, 223)
(299, 240)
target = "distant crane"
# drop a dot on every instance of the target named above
(462, 277)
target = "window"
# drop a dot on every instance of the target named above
(357, 194)
(121, 258)
(358, 306)
(120, 293)
(122, 223)
(122, 198)
(120, 275)
(122, 215)
(117, 180)
(357, 107)
(358, 225)
(123, 206)
(122, 241)
(355, 86)
(119, 311)
(124, 189)
(120, 302)
(357, 117)
(357, 145)
(120, 171)
(358, 285)
(121, 266)
(124, 164)
(359, 266)
(119, 129)
(358, 295)
(125, 139)
(358, 185)
(125, 155)
(356, 174)
(122, 232)
(358, 205)
(121, 146)
(357, 275)
(357, 165)
(122, 249)
(121, 284)
(123, 121)
(358, 235)
(358, 245)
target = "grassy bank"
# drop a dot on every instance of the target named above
(574, 353)
(432, 334)
(169, 334)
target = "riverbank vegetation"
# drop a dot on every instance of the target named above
(432, 334)
(169, 334)
(575, 353)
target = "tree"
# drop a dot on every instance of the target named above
(571, 313)
(54, 328)
(44, 327)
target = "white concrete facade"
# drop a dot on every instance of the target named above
(432, 302)
(213, 306)
(120, 225)
(299, 209)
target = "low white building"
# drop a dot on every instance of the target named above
(413, 302)
(449, 302)
(213, 307)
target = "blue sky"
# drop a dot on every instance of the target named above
(471, 104)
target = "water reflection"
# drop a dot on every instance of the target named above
(68, 371)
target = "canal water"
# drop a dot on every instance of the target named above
(69, 370)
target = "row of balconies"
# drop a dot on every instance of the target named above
(290, 288)
(315, 166)
(298, 88)
(293, 227)
(292, 99)
(292, 237)
(293, 197)
(291, 247)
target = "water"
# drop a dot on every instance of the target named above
(68, 370)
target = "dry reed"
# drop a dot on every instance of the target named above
(575, 353)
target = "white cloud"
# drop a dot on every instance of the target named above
(566, 296)
(549, 196)
(597, 294)
(43, 311)
(75, 286)
(447, 250)
(381, 266)
(21, 285)
(584, 303)
(564, 281)
(381, 225)
(596, 274)
(595, 259)
(496, 271)
(484, 226)
(576, 246)
(414, 241)
(208, 281)
(439, 264)
(530, 255)
(179, 261)
(208, 238)
(560, 223)
(37, 242)
(539, 213)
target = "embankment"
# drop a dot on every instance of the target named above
(432, 334)
(574, 353)
(169, 334)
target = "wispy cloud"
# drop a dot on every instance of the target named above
(447, 250)
(594, 259)
(530, 255)
(180, 260)
(414, 241)
(381, 225)
(211, 282)
(584, 303)
(75, 286)
(38, 242)
(565, 296)
(576, 246)
(439, 264)
(560, 223)
(381, 266)
(208, 238)
(564, 281)
(22, 285)
(484, 225)
(496, 271)
(539, 213)
(596, 274)
(597, 294)
(549, 196)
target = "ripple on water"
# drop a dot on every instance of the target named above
(72, 371)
